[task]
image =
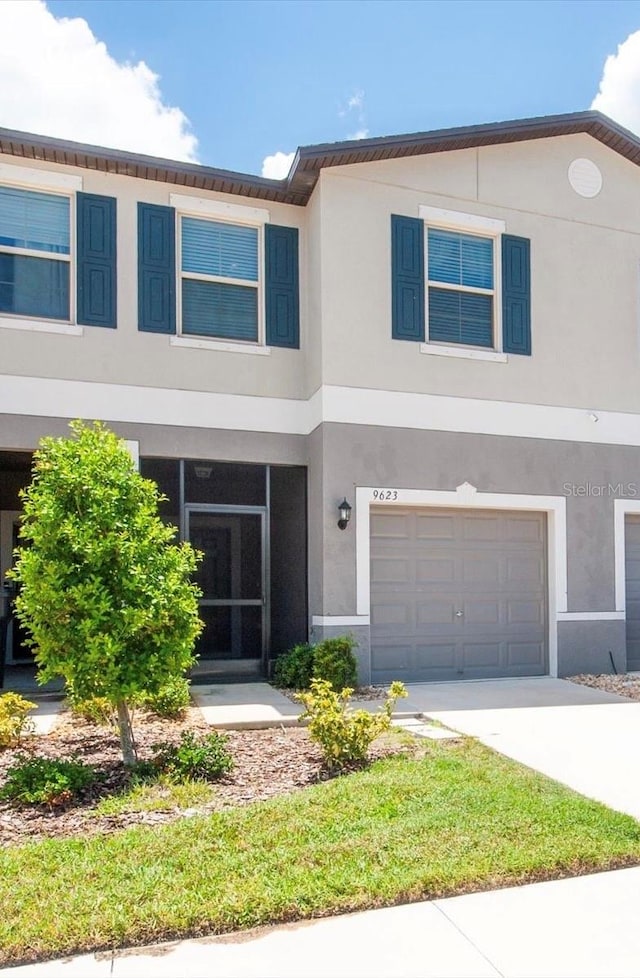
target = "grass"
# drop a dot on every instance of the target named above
(460, 818)
(156, 796)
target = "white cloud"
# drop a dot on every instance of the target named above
(58, 79)
(619, 92)
(277, 166)
(353, 110)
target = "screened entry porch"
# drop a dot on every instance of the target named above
(249, 523)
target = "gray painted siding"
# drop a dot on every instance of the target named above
(164, 441)
(584, 646)
(409, 459)
(341, 457)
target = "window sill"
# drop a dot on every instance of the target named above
(220, 345)
(463, 353)
(41, 326)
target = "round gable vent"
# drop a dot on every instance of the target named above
(585, 178)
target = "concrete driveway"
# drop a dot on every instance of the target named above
(585, 738)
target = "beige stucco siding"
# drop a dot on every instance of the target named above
(127, 356)
(585, 255)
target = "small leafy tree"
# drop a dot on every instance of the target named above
(104, 593)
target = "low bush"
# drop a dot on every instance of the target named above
(294, 668)
(15, 721)
(43, 781)
(95, 709)
(171, 701)
(334, 661)
(198, 758)
(344, 735)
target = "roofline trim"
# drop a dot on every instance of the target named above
(297, 188)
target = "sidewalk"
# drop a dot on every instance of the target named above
(577, 928)
(238, 706)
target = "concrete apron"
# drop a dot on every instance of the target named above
(584, 738)
(258, 706)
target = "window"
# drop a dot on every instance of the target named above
(460, 288)
(460, 283)
(220, 281)
(35, 253)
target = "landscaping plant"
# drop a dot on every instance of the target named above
(332, 659)
(170, 701)
(14, 718)
(344, 734)
(294, 669)
(44, 781)
(96, 709)
(195, 758)
(105, 593)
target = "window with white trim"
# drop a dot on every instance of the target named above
(35, 254)
(460, 288)
(220, 278)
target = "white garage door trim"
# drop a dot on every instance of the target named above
(466, 496)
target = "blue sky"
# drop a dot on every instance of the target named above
(256, 78)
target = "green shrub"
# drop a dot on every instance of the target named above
(171, 700)
(95, 709)
(43, 781)
(105, 594)
(334, 661)
(14, 718)
(293, 669)
(197, 758)
(343, 734)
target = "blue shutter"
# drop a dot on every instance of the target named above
(407, 278)
(516, 295)
(97, 289)
(156, 269)
(281, 286)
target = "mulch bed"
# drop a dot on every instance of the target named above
(625, 685)
(266, 763)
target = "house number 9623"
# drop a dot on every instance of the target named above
(385, 494)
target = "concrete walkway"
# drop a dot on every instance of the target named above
(577, 928)
(237, 706)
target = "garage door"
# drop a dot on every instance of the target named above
(632, 574)
(457, 594)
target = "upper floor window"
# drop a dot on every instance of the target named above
(460, 295)
(35, 254)
(460, 285)
(220, 279)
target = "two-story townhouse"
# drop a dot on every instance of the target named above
(440, 328)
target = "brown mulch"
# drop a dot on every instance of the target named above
(628, 686)
(266, 763)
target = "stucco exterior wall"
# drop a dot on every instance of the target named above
(584, 272)
(127, 356)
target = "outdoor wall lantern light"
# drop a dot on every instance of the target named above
(345, 514)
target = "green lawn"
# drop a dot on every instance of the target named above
(460, 818)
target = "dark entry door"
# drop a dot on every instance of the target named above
(232, 577)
